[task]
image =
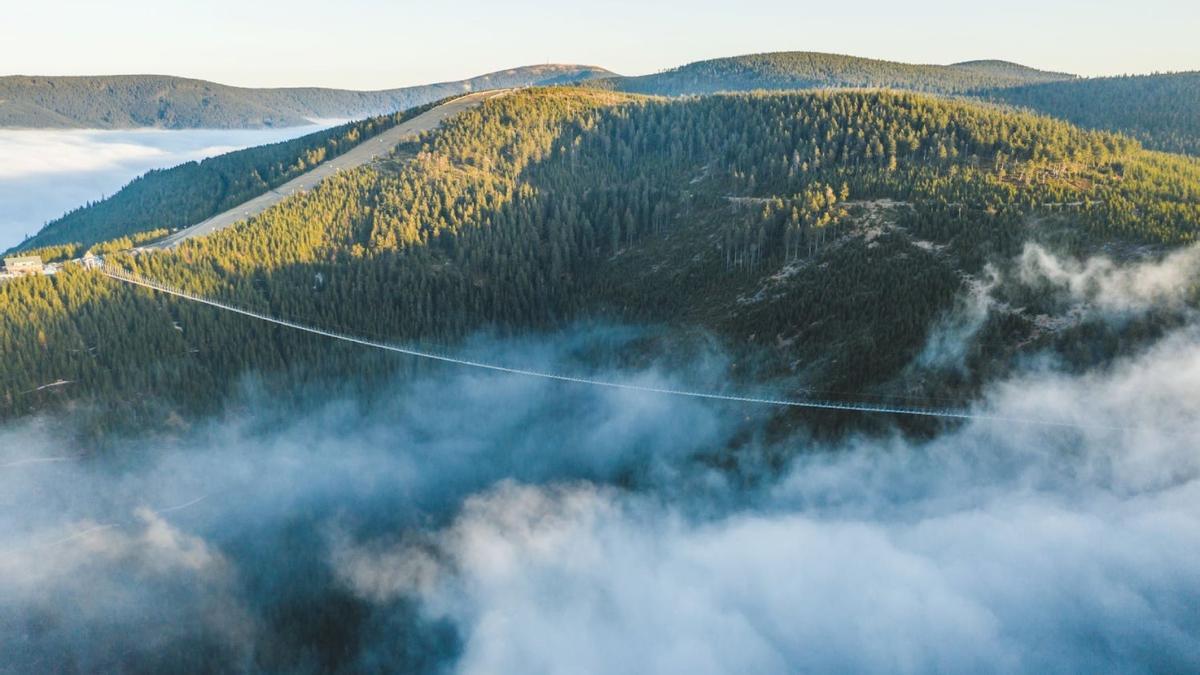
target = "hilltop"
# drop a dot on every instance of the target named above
(1161, 110)
(814, 70)
(1008, 69)
(131, 101)
(1158, 109)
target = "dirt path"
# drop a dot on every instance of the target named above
(364, 152)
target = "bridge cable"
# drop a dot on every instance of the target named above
(818, 404)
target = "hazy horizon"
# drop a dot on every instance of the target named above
(365, 44)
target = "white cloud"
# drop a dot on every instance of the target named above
(1112, 287)
(952, 334)
(556, 529)
(46, 173)
(543, 580)
(138, 587)
(1000, 547)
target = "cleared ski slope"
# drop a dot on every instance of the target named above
(364, 152)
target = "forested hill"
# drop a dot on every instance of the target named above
(1159, 110)
(1162, 111)
(130, 101)
(164, 200)
(1013, 71)
(813, 70)
(817, 237)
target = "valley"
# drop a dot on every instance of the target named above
(779, 362)
(51, 172)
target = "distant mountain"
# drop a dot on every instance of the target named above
(1158, 110)
(1162, 111)
(131, 101)
(1010, 70)
(812, 70)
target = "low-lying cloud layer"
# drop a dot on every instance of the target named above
(480, 523)
(46, 173)
(1071, 290)
(1101, 282)
(210, 551)
(997, 548)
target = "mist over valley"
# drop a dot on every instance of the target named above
(771, 362)
(47, 173)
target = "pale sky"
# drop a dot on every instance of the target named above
(374, 44)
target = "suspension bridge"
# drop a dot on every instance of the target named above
(127, 277)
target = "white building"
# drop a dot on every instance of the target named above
(23, 265)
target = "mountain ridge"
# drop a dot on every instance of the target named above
(809, 70)
(1158, 109)
(170, 102)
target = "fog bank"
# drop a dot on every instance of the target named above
(474, 522)
(996, 548)
(46, 173)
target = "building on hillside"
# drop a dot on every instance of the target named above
(23, 265)
(92, 261)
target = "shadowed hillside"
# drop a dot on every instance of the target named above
(1162, 111)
